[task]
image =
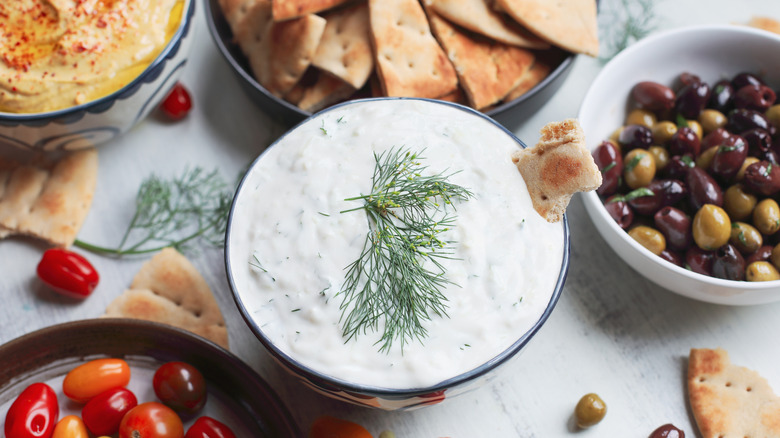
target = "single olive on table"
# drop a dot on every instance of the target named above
(694, 174)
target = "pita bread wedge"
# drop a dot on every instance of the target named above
(569, 24)
(409, 61)
(235, 10)
(325, 92)
(345, 47)
(48, 201)
(728, 400)
(278, 53)
(287, 9)
(477, 16)
(487, 70)
(168, 289)
(538, 71)
(557, 167)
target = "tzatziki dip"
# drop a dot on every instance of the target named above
(296, 228)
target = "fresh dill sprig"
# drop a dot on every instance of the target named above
(625, 22)
(398, 277)
(177, 213)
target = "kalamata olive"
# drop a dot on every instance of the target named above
(704, 160)
(759, 141)
(741, 120)
(763, 177)
(766, 216)
(715, 138)
(635, 136)
(679, 166)
(738, 203)
(610, 163)
(691, 99)
(761, 271)
(653, 96)
(648, 237)
(684, 141)
(729, 157)
(672, 257)
(702, 189)
(711, 227)
(590, 410)
(774, 256)
(754, 97)
(620, 211)
(772, 156)
(699, 260)
(662, 192)
(687, 78)
(675, 226)
(667, 431)
(711, 119)
(745, 78)
(660, 155)
(639, 116)
(663, 131)
(722, 96)
(745, 237)
(761, 255)
(748, 161)
(728, 264)
(638, 168)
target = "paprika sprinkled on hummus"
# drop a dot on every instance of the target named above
(55, 54)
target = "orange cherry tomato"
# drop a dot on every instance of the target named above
(330, 427)
(70, 427)
(96, 376)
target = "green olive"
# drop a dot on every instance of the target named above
(387, 434)
(775, 256)
(638, 168)
(696, 127)
(766, 216)
(711, 119)
(745, 238)
(660, 155)
(663, 131)
(711, 227)
(773, 114)
(650, 238)
(741, 173)
(616, 134)
(642, 117)
(590, 410)
(761, 271)
(704, 160)
(738, 203)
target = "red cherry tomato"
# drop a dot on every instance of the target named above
(180, 386)
(207, 427)
(90, 379)
(151, 420)
(33, 414)
(70, 426)
(67, 273)
(103, 413)
(177, 103)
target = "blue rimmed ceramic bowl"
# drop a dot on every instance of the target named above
(104, 119)
(260, 312)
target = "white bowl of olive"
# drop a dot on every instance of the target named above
(685, 127)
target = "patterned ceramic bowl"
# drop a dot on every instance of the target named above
(103, 119)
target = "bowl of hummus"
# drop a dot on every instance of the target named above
(387, 252)
(74, 74)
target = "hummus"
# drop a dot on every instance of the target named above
(61, 53)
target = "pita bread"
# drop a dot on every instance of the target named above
(278, 53)
(345, 47)
(729, 400)
(569, 24)
(235, 10)
(48, 201)
(287, 9)
(409, 61)
(325, 92)
(538, 71)
(557, 167)
(168, 289)
(477, 16)
(487, 70)
(765, 23)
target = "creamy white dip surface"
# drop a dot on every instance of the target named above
(287, 215)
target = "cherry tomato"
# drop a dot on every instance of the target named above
(96, 376)
(67, 273)
(70, 426)
(180, 386)
(151, 420)
(207, 427)
(330, 427)
(103, 413)
(177, 103)
(33, 414)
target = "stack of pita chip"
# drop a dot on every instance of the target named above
(314, 53)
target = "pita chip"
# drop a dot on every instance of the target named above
(569, 24)
(728, 400)
(235, 10)
(487, 70)
(409, 61)
(345, 47)
(538, 71)
(287, 9)
(168, 289)
(557, 167)
(326, 91)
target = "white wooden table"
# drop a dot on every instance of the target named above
(613, 332)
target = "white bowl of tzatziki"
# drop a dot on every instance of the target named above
(387, 253)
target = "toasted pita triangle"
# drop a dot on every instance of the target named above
(345, 47)
(287, 9)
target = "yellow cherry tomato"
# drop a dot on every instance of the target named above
(70, 427)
